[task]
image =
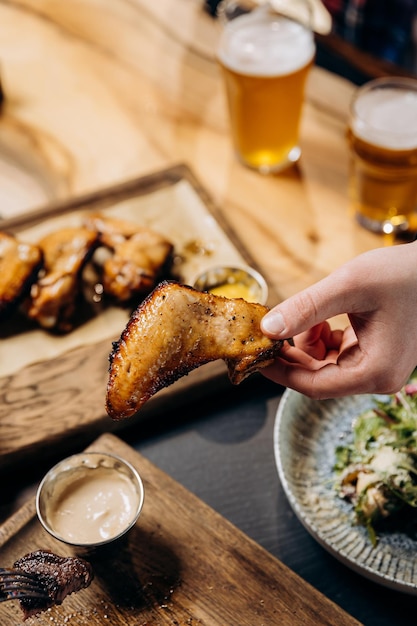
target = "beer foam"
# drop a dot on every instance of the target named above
(387, 118)
(263, 45)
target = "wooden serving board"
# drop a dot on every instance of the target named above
(182, 564)
(52, 389)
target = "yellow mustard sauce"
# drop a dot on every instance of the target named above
(234, 290)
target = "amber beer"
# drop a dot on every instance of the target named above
(265, 59)
(383, 139)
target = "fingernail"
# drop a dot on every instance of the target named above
(273, 323)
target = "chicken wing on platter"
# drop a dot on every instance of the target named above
(139, 256)
(177, 329)
(19, 265)
(53, 297)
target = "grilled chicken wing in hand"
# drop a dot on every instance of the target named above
(177, 329)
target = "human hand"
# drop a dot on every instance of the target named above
(376, 353)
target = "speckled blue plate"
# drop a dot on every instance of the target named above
(306, 434)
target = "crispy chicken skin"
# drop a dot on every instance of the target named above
(19, 265)
(177, 329)
(53, 298)
(139, 257)
(112, 230)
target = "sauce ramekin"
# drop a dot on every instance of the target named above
(90, 499)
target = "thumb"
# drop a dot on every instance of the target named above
(325, 299)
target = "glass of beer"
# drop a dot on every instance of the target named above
(265, 59)
(382, 135)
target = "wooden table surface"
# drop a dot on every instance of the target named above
(98, 92)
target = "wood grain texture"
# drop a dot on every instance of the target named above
(106, 91)
(98, 93)
(58, 401)
(181, 564)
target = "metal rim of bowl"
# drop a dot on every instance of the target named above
(55, 470)
(250, 271)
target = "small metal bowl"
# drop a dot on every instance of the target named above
(90, 499)
(234, 282)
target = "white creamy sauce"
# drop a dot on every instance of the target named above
(93, 507)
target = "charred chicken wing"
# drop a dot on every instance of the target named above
(177, 329)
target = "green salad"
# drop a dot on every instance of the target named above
(377, 472)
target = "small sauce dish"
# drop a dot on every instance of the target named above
(234, 282)
(90, 499)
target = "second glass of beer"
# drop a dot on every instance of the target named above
(383, 141)
(265, 59)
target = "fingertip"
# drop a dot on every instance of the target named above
(273, 324)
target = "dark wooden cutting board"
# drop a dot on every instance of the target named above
(55, 401)
(181, 565)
